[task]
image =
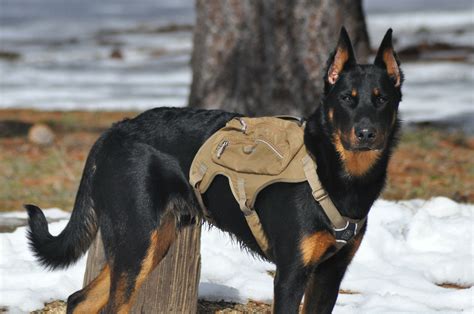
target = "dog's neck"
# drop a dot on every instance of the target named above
(352, 193)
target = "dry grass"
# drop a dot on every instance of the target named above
(48, 176)
(431, 162)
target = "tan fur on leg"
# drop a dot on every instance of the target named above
(160, 242)
(96, 293)
(315, 245)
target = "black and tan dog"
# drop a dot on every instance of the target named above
(135, 189)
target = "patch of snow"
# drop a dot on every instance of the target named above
(52, 213)
(24, 285)
(229, 273)
(412, 27)
(409, 248)
(428, 96)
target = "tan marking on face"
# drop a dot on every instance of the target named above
(331, 114)
(354, 92)
(96, 293)
(315, 245)
(352, 137)
(376, 91)
(355, 163)
(160, 242)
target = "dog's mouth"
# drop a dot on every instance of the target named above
(361, 147)
(359, 157)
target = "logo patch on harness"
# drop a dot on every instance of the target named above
(347, 233)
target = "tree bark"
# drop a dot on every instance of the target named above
(173, 286)
(267, 57)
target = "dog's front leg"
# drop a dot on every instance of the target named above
(289, 285)
(323, 286)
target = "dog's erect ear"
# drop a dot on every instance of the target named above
(342, 57)
(387, 59)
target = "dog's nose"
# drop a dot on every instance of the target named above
(366, 134)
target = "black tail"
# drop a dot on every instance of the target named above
(63, 250)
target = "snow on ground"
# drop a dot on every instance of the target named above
(428, 96)
(453, 27)
(410, 246)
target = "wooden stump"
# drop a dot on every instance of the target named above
(173, 286)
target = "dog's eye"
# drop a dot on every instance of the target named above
(380, 101)
(347, 98)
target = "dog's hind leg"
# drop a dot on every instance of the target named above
(140, 194)
(93, 297)
(127, 275)
(127, 279)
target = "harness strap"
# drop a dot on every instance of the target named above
(344, 228)
(194, 180)
(252, 218)
(320, 195)
(242, 196)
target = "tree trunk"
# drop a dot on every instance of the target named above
(267, 57)
(173, 286)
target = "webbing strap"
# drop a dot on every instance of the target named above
(196, 177)
(242, 196)
(252, 218)
(257, 230)
(320, 195)
(194, 180)
(344, 228)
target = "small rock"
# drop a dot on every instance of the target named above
(116, 53)
(41, 134)
(9, 55)
(55, 307)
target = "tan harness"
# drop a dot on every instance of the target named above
(254, 153)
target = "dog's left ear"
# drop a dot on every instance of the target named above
(387, 59)
(342, 57)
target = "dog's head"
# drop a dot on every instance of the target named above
(361, 102)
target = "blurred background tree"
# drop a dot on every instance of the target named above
(267, 57)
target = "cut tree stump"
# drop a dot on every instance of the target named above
(173, 286)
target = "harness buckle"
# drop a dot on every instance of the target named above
(247, 211)
(320, 195)
(243, 124)
(221, 147)
(344, 235)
